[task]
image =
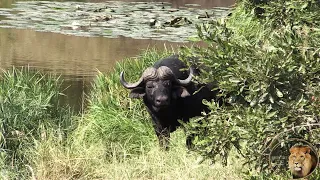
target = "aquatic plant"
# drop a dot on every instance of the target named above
(139, 20)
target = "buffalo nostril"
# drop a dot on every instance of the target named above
(161, 100)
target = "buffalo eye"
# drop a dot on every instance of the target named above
(167, 83)
(150, 85)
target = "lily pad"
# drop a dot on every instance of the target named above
(139, 20)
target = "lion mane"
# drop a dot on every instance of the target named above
(301, 162)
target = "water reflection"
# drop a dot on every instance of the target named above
(75, 91)
(76, 58)
(68, 55)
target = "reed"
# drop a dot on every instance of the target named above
(29, 105)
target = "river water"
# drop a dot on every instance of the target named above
(78, 58)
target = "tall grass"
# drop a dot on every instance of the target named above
(115, 139)
(54, 161)
(112, 117)
(29, 105)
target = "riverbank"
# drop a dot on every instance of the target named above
(113, 139)
(267, 68)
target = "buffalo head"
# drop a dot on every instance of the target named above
(158, 86)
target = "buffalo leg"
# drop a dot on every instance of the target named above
(189, 137)
(189, 141)
(163, 137)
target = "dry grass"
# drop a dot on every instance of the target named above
(54, 161)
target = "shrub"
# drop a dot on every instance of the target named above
(268, 76)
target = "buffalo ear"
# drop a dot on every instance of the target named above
(180, 91)
(138, 92)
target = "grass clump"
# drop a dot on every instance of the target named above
(54, 161)
(29, 105)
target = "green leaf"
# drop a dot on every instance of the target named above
(270, 115)
(271, 99)
(279, 93)
(253, 102)
(305, 5)
(234, 80)
(263, 97)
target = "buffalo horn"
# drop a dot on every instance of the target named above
(186, 81)
(130, 85)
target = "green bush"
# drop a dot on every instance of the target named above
(267, 67)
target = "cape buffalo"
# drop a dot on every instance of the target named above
(169, 95)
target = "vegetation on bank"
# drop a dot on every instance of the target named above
(29, 107)
(114, 139)
(265, 57)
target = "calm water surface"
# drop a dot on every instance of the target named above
(77, 58)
